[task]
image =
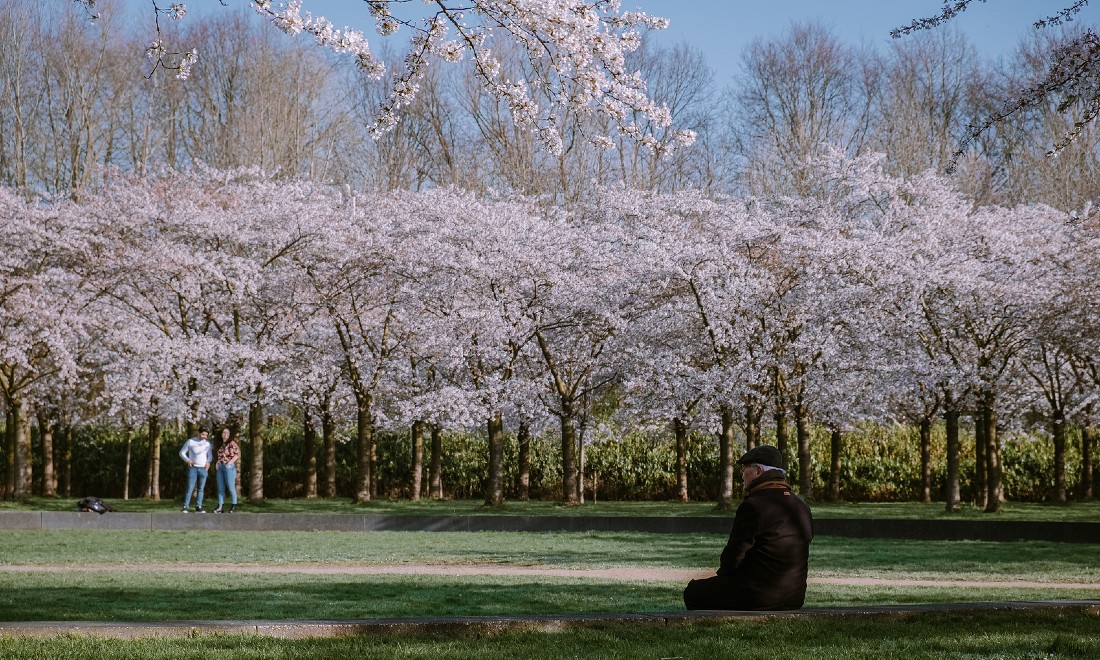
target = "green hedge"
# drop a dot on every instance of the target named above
(879, 464)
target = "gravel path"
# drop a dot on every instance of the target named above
(620, 573)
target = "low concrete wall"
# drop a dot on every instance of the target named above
(948, 530)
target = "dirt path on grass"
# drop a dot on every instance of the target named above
(619, 573)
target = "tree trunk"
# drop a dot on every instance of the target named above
(372, 459)
(152, 484)
(435, 472)
(981, 443)
(836, 446)
(681, 431)
(1086, 461)
(523, 438)
(417, 460)
(49, 473)
(309, 431)
(494, 485)
(993, 472)
(365, 440)
(256, 441)
(725, 460)
(67, 462)
(951, 493)
(328, 436)
(752, 427)
(781, 434)
(568, 455)
(580, 467)
(1058, 434)
(926, 460)
(9, 454)
(805, 460)
(23, 474)
(126, 469)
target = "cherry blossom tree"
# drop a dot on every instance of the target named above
(685, 353)
(356, 283)
(480, 273)
(582, 45)
(576, 320)
(40, 325)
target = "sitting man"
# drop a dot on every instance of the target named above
(764, 564)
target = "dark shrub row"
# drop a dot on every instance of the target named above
(879, 464)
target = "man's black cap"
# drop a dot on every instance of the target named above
(762, 455)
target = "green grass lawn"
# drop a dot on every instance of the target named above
(932, 636)
(126, 585)
(1072, 512)
(829, 555)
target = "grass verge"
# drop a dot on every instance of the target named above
(1073, 512)
(829, 555)
(981, 634)
(152, 596)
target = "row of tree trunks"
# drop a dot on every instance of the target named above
(56, 440)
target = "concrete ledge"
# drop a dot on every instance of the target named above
(20, 520)
(925, 530)
(88, 520)
(487, 624)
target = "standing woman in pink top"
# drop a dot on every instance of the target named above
(228, 455)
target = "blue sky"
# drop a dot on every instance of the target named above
(721, 29)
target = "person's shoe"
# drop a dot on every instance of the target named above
(199, 510)
(184, 509)
(218, 510)
(233, 509)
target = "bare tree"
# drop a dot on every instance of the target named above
(796, 94)
(1071, 78)
(928, 83)
(260, 101)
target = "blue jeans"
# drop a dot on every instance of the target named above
(227, 483)
(195, 475)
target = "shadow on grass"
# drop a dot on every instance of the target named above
(987, 634)
(222, 597)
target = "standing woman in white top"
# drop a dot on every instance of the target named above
(196, 453)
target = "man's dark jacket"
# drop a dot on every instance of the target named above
(765, 562)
